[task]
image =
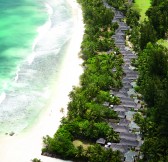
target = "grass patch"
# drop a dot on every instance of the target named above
(81, 143)
(142, 6)
(163, 42)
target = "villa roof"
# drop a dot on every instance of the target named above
(119, 39)
(123, 25)
(119, 43)
(131, 92)
(129, 56)
(127, 85)
(126, 59)
(132, 73)
(130, 156)
(119, 147)
(138, 106)
(119, 128)
(126, 98)
(126, 79)
(120, 94)
(115, 19)
(123, 90)
(129, 115)
(119, 14)
(106, 104)
(121, 114)
(101, 141)
(129, 142)
(119, 32)
(120, 46)
(133, 125)
(124, 122)
(120, 108)
(128, 102)
(128, 136)
(133, 77)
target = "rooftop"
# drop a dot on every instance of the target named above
(101, 141)
(129, 143)
(119, 147)
(128, 136)
(124, 122)
(130, 156)
(119, 128)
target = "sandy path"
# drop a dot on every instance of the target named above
(26, 146)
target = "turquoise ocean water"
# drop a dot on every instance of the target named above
(33, 36)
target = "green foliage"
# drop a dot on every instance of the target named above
(153, 81)
(148, 34)
(155, 149)
(135, 38)
(116, 3)
(87, 117)
(142, 6)
(158, 14)
(36, 160)
(132, 17)
(98, 154)
(61, 144)
(153, 68)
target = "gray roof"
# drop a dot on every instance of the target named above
(128, 136)
(125, 79)
(132, 74)
(119, 32)
(126, 99)
(106, 104)
(138, 106)
(121, 114)
(130, 156)
(123, 25)
(124, 122)
(129, 56)
(128, 102)
(101, 141)
(119, 94)
(120, 46)
(119, 14)
(133, 125)
(123, 90)
(119, 147)
(126, 59)
(128, 105)
(132, 77)
(120, 108)
(127, 86)
(129, 143)
(119, 128)
(129, 115)
(116, 19)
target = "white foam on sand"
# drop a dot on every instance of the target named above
(26, 146)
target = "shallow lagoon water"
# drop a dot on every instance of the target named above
(34, 35)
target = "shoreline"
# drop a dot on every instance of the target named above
(27, 145)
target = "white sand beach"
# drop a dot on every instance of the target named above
(27, 145)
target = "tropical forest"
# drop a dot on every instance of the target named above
(119, 112)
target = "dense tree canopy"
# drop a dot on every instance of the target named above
(158, 16)
(153, 81)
